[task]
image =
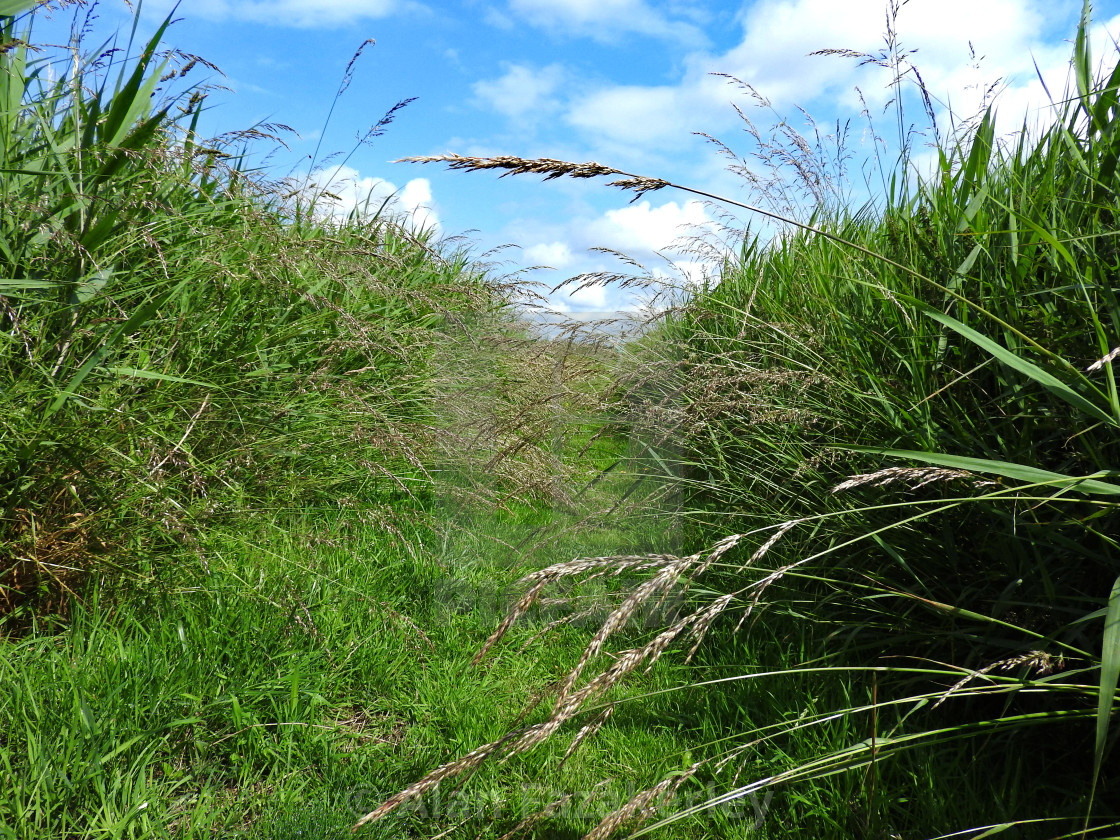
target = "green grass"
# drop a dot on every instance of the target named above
(317, 663)
(256, 519)
(183, 343)
(954, 329)
(270, 482)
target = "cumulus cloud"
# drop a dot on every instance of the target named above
(605, 20)
(779, 35)
(589, 298)
(521, 92)
(341, 189)
(773, 56)
(624, 124)
(634, 114)
(642, 227)
(416, 200)
(556, 255)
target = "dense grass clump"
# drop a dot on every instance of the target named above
(184, 340)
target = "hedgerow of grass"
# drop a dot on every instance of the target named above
(182, 339)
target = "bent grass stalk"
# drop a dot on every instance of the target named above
(642, 184)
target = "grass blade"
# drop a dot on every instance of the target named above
(1047, 380)
(1110, 675)
(11, 8)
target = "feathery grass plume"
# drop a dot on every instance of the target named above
(913, 477)
(1039, 662)
(642, 805)
(1104, 360)
(550, 168)
(571, 701)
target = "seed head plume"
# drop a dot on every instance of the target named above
(913, 477)
(550, 168)
(575, 698)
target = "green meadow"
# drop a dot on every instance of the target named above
(307, 532)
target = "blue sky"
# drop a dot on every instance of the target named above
(624, 82)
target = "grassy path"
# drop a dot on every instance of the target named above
(282, 681)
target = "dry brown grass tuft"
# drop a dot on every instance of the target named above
(45, 561)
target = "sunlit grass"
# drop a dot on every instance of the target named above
(833, 546)
(269, 477)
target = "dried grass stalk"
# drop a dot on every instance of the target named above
(1036, 661)
(1104, 360)
(641, 806)
(549, 167)
(669, 572)
(913, 477)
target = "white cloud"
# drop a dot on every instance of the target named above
(641, 227)
(416, 199)
(556, 255)
(643, 232)
(650, 126)
(779, 35)
(522, 92)
(342, 189)
(604, 20)
(627, 114)
(593, 298)
(773, 56)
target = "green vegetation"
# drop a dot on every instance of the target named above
(298, 521)
(268, 478)
(180, 345)
(894, 428)
(918, 399)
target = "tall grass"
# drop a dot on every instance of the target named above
(896, 433)
(884, 442)
(182, 338)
